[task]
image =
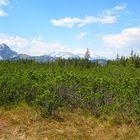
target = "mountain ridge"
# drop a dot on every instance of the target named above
(6, 53)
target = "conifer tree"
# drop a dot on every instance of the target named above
(87, 54)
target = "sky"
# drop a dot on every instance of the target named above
(38, 27)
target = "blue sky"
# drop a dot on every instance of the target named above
(38, 27)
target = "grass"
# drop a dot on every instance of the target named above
(24, 123)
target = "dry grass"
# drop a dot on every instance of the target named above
(23, 123)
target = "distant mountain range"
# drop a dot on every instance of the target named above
(7, 54)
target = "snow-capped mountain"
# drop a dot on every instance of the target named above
(42, 58)
(64, 55)
(21, 56)
(7, 54)
(95, 57)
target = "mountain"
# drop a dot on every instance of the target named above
(100, 61)
(64, 55)
(21, 56)
(6, 53)
(42, 58)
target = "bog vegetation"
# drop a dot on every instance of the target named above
(102, 90)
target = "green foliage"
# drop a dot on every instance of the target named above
(74, 83)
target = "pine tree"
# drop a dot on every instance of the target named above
(87, 54)
(118, 56)
(132, 53)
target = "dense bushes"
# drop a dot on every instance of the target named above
(102, 90)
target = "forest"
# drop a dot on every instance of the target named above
(112, 89)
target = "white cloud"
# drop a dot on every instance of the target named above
(81, 35)
(129, 37)
(70, 22)
(36, 46)
(2, 13)
(119, 7)
(107, 17)
(30, 47)
(3, 3)
(115, 10)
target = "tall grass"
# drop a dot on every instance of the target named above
(24, 123)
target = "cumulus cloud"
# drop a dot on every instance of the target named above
(36, 47)
(107, 17)
(31, 47)
(81, 35)
(129, 37)
(3, 3)
(70, 22)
